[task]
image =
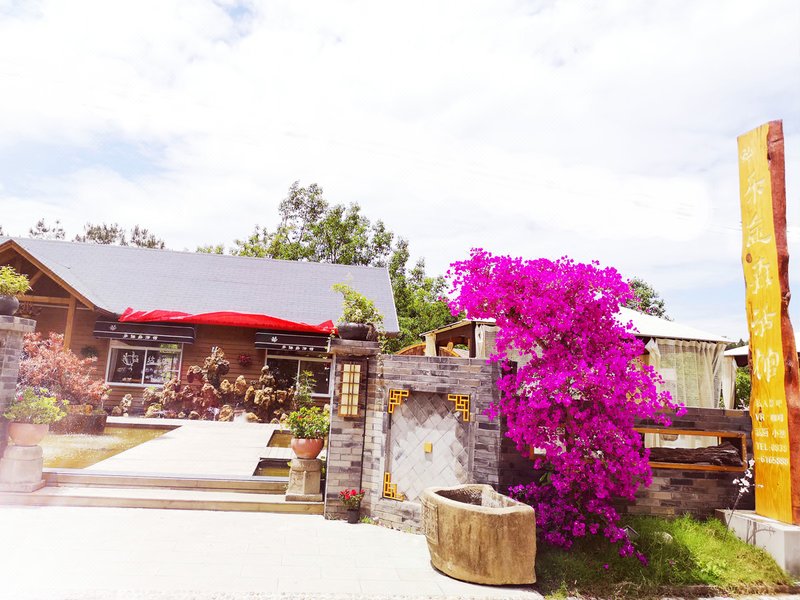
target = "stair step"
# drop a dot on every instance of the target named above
(186, 499)
(83, 478)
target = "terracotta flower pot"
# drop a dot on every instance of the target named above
(27, 434)
(307, 447)
(352, 516)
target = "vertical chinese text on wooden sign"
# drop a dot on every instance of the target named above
(775, 396)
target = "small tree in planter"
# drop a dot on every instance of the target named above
(31, 413)
(12, 285)
(309, 426)
(47, 363)
(360, 320)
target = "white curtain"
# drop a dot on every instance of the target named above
(693, 374)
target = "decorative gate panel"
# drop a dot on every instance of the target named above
(429, 444)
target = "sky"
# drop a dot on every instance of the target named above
(599, 130)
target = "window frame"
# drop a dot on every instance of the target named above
(116, 344)
(299, 359)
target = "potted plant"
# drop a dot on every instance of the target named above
(360, 317)
(352, 502)
(31, 414)
(309, 426)
(12, 285)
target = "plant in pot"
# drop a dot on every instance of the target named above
(352, 502)
(309, 426)
(12, 285)
(31, 413)
(360, 318)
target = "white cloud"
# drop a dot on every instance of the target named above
(598, 129)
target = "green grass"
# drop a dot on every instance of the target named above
(701, 553)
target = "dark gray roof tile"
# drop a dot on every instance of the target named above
(117, 277)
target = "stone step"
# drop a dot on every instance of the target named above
(83, 478)
(186, 499)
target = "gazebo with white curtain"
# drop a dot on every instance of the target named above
(690, 360)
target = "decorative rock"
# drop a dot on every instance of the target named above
(21, 469)
(477, 535)
(304, 480)
(663, 537)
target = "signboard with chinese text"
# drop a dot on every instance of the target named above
(775, 396)
(293, 342)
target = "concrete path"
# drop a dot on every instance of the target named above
(200, 448)
(61, 553)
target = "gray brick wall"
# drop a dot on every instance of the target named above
(358, 447)
(12, 330)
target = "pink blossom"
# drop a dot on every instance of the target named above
(578, 396)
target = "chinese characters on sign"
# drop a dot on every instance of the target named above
(765, 263)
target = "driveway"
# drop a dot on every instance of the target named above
(122, 553)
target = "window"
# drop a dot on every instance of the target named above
(143, 365)
(286, 369)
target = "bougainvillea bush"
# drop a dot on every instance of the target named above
(576, 399)
(47, 363)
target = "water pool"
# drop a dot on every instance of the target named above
(77, 451)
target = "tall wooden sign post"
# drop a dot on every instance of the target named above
(775, 396)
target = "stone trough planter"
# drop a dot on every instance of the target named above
(475, 534)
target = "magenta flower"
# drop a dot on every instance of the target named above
(578, 395)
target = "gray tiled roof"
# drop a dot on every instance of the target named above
(114, 278)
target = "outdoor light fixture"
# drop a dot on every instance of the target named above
(351, 381)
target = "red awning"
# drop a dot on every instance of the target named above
(230, 319)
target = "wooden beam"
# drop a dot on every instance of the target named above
(70, 321)
(12, 245)
(35, 277)
(46, 300)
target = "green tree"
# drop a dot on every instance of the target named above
(42, 231)
(312, 229)
(647, 300)
(211, 249)
(117, 235)
(743, 387)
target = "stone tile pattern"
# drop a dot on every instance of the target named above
(359, 449)
(428, 418)
(673, 491)
(12, 330)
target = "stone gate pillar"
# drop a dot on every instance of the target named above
(12, 329)
(351, 364)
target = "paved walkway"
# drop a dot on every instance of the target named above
(60, 553)
(201, 448)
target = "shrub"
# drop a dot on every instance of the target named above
(308, 423)
(576, 399)
(34, 406)
(12, 283)
(46, 363)
(357, 308)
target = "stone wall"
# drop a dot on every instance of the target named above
(678, 491)
(360, 448)
(12, 330)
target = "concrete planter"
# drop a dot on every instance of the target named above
(27, 434)
(475, 534)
